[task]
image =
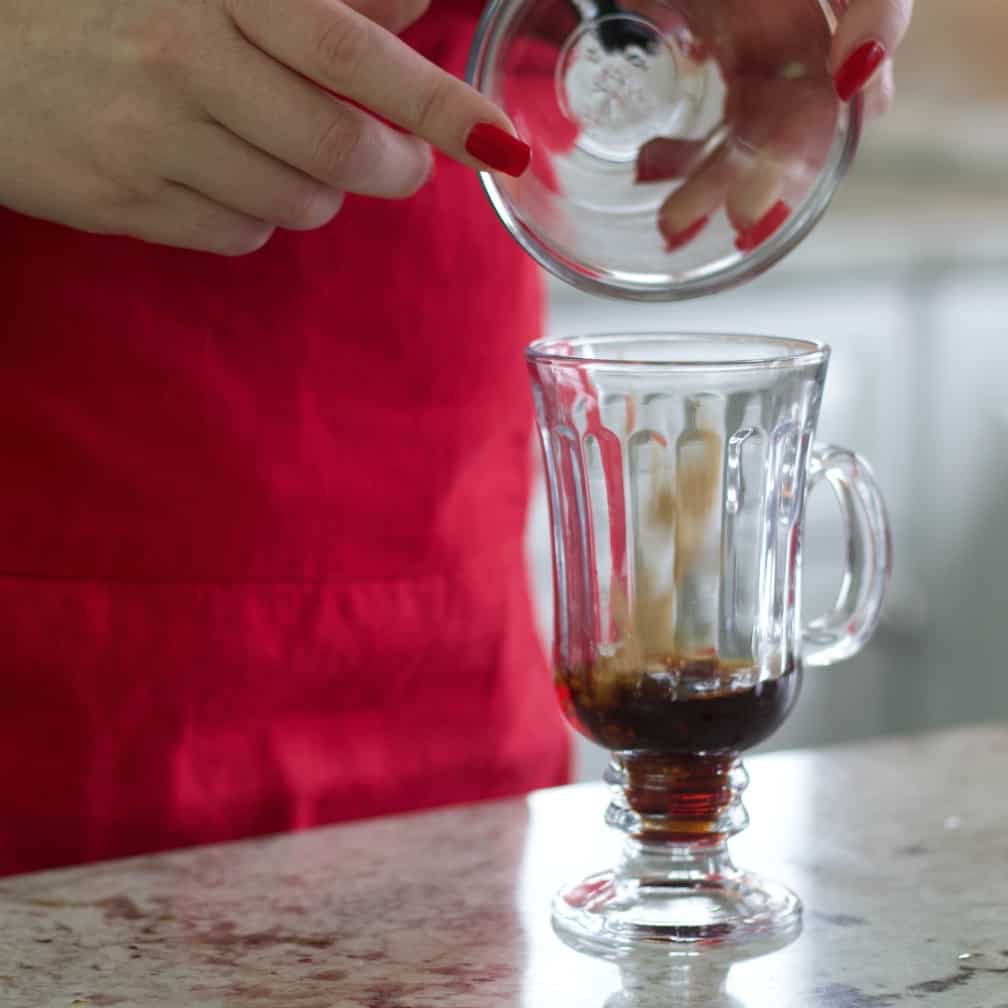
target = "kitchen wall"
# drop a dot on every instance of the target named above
(907, 279)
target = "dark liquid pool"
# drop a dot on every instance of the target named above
(665, 709)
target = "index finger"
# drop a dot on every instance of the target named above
(345, 52)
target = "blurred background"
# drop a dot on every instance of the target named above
(907, 279)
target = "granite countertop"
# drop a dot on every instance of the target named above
(899, 849)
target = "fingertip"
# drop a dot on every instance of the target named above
(858, 68)
(757, 233)
(883, 22)
(756, 191)
(428, 168)
(498, 150)
(878, 96)
(699, 197)
(422, 170)
(675, 240)
(243, 242)
(431, 164)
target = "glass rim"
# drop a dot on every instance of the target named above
(791, 352)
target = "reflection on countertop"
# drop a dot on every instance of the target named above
(895, 847)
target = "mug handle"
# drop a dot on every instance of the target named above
(845, 630)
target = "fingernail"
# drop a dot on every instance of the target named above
(858, 68)
(676, 239)
(754, 235)
(498, 149)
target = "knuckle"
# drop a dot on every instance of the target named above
(432, 103)
(336, 144)
(341, 46)
(130, 186)
(172, 49)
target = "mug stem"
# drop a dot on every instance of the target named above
(677, 800)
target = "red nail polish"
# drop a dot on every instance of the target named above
(857, 68)
(498, 149)
(676, 239)
(754, 235)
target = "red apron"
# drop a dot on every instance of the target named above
(261, 524)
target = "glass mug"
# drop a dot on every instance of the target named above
(678, 468)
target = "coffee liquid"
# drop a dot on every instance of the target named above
(677, 706)
(676, 729)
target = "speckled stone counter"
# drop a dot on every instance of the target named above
(898, 848)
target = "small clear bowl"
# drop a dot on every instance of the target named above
(679, 147)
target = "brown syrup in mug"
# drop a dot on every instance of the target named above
(658, 710)
(678, 746)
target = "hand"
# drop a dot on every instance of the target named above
(204, 124)
(788, 120)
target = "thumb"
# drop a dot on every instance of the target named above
(868, 33)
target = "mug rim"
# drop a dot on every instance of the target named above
(793, 352)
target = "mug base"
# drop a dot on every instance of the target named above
(609, 915)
